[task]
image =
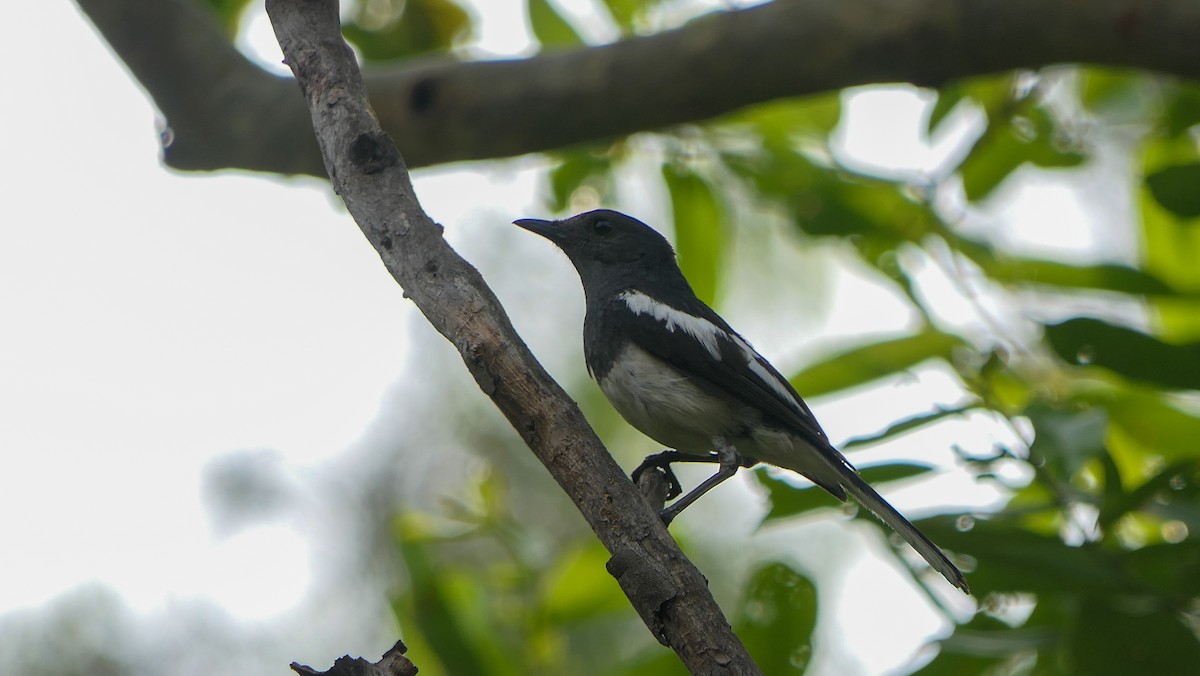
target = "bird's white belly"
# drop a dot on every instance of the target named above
(662, 404)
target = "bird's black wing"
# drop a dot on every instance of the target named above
(720, 358)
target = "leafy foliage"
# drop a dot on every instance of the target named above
(1175, 189)
(1135, 355)
(1100, 540)
(386, 30)
(777, 618)
(549, 27)
(1096, 535)
(229, 13)
(864, 364)
(699, 245)
(483, 600)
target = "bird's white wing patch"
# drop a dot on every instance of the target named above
(708, 334)
(704, 331)
(758, 366)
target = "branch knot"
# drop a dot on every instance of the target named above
(372, 153)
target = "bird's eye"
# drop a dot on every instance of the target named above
(602, 227)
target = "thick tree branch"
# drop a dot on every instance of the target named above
(227, 113)
(223, 110)
(368, 172)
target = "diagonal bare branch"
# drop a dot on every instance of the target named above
(369, 173)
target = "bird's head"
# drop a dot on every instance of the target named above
(603, 240)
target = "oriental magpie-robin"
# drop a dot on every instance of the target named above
(678, 373)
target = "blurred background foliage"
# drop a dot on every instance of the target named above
(1089, 563)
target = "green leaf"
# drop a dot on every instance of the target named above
(1172, 493)
(780, 120)
(1010, 558)
(992, 93)
(947, 100)
(1130, 353)
(788, 500)
(577, 586)
(1065, 443)
(1163, 430)
(989, 164)
(1103, 88)
(776, 619)
(549, 26)
(1172, 569)
(1009, 144)
(1177, 189)
(873, 206)
(229, 12)
(829, 206)
(415, 27)
(1066, 440)
(1170, 243)
(906, 425)
(775, 127)
(1110, 639)
(699, 236)
(824, 201)
(830, 201)
(1001, 642)
(579, 168)
(1035, 272)
(1102, 277)
(1182, 110)
(624, 12)
(865, 364)
(986, 645)
(956, 664)
(433, 602)
(657, 663)
(894, 471)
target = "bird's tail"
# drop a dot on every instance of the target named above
(867, 497)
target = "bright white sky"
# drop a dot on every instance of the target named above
(151, 321)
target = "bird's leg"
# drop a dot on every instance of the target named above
(662, 461)
(729, 461)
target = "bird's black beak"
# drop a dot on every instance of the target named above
(551, 230)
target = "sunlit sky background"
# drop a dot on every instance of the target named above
(151, 321)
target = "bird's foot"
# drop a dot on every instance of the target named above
(662, 463)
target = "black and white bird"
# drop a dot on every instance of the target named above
(678, 373)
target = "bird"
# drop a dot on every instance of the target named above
(677, 372)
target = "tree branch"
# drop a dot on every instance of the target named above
(223, 110)
(368, 172)
(394, 663)
(227, 113)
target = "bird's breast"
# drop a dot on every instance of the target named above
(663, 403)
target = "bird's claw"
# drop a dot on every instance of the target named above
(663, 465)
